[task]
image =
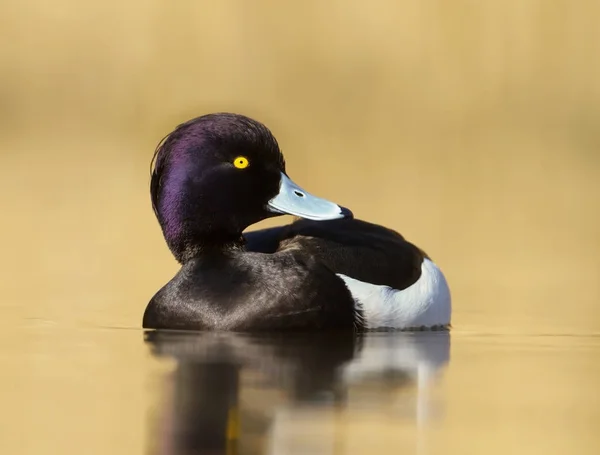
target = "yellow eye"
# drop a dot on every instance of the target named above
(241, 162)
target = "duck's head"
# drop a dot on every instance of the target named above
(215, 175)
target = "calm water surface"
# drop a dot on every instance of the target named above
(124, 391)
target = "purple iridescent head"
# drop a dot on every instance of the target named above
(215, 175)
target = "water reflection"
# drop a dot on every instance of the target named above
(236, 393)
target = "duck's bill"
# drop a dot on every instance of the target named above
(293, 200)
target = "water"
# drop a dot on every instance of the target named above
(121, 391)
(505, 379)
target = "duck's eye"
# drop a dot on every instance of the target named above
(241, 162)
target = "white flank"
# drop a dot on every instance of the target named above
(426, 303)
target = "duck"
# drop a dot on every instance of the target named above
(215, 176)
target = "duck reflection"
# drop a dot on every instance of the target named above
(236, 394)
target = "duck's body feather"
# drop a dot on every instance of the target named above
(248, 291)
(355, 248)
(424, 304)
(394, 284)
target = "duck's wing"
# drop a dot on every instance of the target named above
(358, 249)
(393, 283)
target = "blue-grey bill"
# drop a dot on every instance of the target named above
(293, 200)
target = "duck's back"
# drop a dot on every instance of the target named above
(394, 283)
(351, 247)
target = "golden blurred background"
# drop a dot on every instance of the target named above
(470, 127)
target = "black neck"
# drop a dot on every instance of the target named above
(191, 246)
